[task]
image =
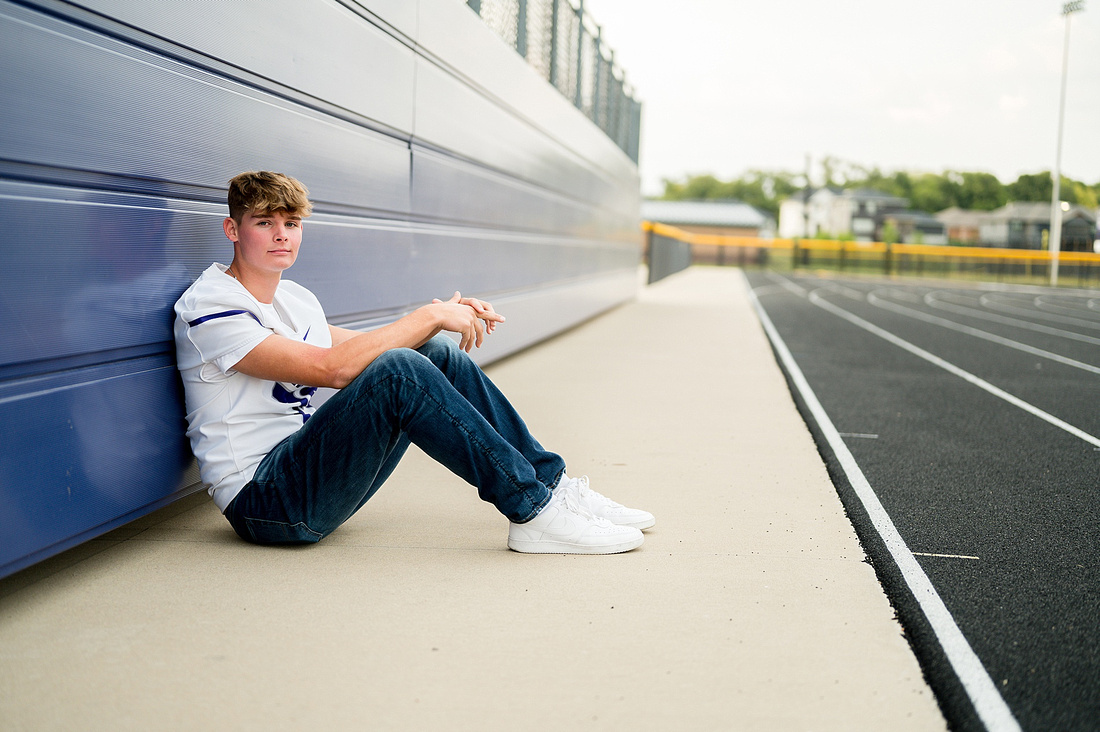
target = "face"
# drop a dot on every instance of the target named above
(265, 242)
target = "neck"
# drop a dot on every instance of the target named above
(261, 285)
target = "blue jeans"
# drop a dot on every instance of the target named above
(435, 397)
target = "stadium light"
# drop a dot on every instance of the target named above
(1055, 203)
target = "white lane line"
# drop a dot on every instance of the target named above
(990, 301)
(945, 556)
(771, 289)
(981, 690)
(952, 368)
(861, 435)
(1062, 304)
(787, 285)
(932, 300)
(945, 323)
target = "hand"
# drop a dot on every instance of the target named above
(469, 317)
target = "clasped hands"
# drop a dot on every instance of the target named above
(469, 317)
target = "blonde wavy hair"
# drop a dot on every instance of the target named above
(262, 192)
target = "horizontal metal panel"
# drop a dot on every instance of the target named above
(453, 34)
(95, 274)
(358, 268)
(318, 47)
(401, 15)
(454, 116)
(128, 257)
(449, 188)
(484, 262)
(535, 315)
(82, 448)
(79, 100)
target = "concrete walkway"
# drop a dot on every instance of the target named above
(749, 607)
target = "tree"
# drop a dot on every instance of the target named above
(759, 188)
(929, 192)
(981, 192)
(1031, 187)
(1087, 196)
(890, 232)
(933, 192)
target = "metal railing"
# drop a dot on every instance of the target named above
(566, 46)
(979, 263)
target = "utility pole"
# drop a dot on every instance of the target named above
(1068, 9)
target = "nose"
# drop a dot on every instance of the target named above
(281, 234)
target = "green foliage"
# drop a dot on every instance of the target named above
(981, 192)
(890, 232)
(1087, 196)
(930, 192)
(1037, 187)
(759, 188)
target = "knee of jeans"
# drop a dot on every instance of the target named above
(440, 348)
(261, 531)
(399, 360)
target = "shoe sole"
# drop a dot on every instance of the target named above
(640, 525)
(557, 547)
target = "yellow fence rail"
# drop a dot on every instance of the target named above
(892, 258)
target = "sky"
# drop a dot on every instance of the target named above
(729, 86)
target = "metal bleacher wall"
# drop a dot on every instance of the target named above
(437, 157)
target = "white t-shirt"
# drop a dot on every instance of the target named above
(234, 419)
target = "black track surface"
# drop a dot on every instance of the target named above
(962, 472)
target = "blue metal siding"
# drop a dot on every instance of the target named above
(430, 170)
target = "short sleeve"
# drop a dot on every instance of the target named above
(222, 333)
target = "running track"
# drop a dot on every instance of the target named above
(960, 423)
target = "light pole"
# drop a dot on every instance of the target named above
(1068, 9)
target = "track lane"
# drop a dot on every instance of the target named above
(966, 475)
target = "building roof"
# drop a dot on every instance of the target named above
(870, 194)
(916, 217)
(1038, 213)
(731, 214)
(956, 216)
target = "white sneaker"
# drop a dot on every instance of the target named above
(564, 526)
(603, 507)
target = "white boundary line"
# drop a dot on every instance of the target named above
(983, 693)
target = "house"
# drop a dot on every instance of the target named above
(860, 212)
(916, 227)
(1025, 225)
(808, 213)
(963, 226)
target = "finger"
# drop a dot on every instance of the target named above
(479, 327)
(457, 297)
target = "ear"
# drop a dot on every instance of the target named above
(230, 228)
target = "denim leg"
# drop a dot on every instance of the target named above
(318, 477)
(470, 381)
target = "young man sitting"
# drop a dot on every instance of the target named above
(253, 348)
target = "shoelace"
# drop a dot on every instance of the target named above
(585, 491)
(572, 494)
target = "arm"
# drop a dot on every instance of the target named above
(281, 359)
